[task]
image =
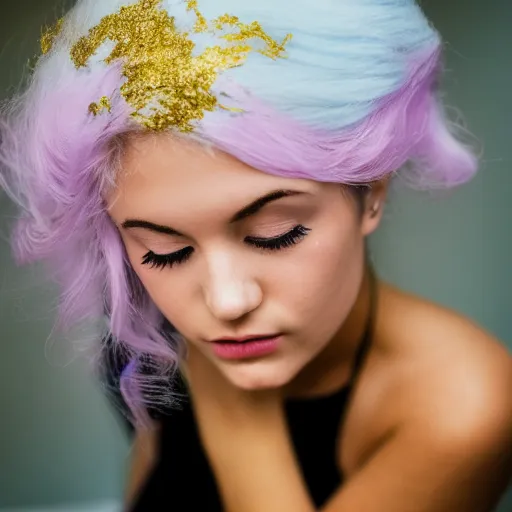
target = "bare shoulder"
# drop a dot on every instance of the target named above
(445, 364)
(437, 372)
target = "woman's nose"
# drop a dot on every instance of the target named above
(231, 292)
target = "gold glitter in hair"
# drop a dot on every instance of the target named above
(49, 36)
(163, 77)
(201, 23)
(103, 104)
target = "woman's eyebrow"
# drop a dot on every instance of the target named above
(150, 226)
(259, 203)
(246, 211)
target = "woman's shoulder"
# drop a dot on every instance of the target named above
(447, 369)
(436, 373)
(419, 334)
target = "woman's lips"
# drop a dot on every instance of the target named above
(246, 348)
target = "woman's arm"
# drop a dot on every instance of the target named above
(144, 456)
(424, 467)
(424, 470)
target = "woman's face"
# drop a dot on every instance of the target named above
(227, 251)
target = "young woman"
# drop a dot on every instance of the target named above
(206, 173)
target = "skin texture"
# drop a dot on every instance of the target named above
(429, 423)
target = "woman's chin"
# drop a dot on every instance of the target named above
(258, 377)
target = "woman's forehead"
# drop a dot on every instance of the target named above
(185, 166)
(167, 173)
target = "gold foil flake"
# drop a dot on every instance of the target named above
(251, 31)
(201, 23)
(49, 36)
(225, 19)
(166, 84)
(103, 104)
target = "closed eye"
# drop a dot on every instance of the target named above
(288, 239)
(276, 243)
(167, 260)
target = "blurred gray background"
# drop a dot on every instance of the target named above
(61, 443)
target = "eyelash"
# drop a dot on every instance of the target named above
(292, 237)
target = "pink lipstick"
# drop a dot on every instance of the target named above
(247, 347)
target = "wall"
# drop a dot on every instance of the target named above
(59, 440)
(453, 247)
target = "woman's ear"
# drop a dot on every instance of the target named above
(374, 206)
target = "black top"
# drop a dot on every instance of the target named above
(183, 480)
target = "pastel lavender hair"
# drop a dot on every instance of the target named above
(355, 101)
